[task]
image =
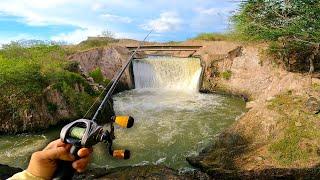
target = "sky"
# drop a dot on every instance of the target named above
(72, 21)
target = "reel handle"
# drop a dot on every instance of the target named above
(65, 171)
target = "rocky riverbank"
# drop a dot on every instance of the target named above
(279, 130)
(277, 138)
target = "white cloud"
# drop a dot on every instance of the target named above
(115, 18)
(213, 11)
(168, 21)
(76, 36)
(211, 19)
(82, 34)
(90, 17)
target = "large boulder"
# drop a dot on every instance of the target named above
(313, 105)
(140, 172)
(109, 60)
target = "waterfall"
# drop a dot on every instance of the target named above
(167, 73)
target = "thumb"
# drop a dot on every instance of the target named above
(59, 153)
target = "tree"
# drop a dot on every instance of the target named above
(107, 33)
(293, 26)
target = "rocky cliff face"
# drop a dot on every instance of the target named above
(40, 116)
(67, 101)
(277, 110)
(109, 60)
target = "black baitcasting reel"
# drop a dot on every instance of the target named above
(87, 133)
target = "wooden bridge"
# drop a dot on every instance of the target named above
(164, 48)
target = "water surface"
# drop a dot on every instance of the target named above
(172, 119)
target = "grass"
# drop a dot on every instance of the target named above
(316, 86)
(301, 138)
(26, 72)
(97, 76)
(226, 74)
(89, 44)
(230, 36)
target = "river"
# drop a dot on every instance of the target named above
(172, 119)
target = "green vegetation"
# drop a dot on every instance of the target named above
(25, 73)
(226, 74)
(97, 76)
(213, 37)
(290, 26)
(301, 138)
(94, 43)
(89, 44)
(316, 86)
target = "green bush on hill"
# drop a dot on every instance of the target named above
(226, 74)
(26, 72)
(291, 26)
(97, 76)
(212, 37)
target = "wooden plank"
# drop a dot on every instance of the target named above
(165, 50)
(167, 47)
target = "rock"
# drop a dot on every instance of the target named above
(109, 60)
(270, 98)
(90, 79)
(251, 104)
(140, 172)
(51, 109)
(259, 158)
(7, 171)
(313, 105)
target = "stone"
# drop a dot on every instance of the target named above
(313, 105)
(270, 98)
(109, 60)
(90, 79)
(140, 172)
(251, 104)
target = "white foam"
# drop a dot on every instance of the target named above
(167, 73)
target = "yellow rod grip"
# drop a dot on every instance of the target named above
(124, 121)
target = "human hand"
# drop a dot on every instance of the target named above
(44, 163)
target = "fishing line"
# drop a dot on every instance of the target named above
(113, 83)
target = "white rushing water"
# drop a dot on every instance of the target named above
(172, 119)
(167, 73)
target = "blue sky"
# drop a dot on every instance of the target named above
(73, 20)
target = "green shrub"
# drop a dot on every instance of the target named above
(52, 108)
(212, 37)
(97, 76)
(226, 74)
(290, 25)
(26, 72)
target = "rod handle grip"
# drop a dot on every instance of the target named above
(124, 121)
(65, 171)
(121, 154)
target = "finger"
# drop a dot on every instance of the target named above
(60, 153)
(83, 152)
(81, 164)
(54, 144)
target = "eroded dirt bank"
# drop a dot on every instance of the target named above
(277, 137)
(280, 128)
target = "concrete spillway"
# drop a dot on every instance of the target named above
(167, 73)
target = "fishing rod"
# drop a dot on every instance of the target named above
(87, 133)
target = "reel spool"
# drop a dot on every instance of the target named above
(87, 133)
